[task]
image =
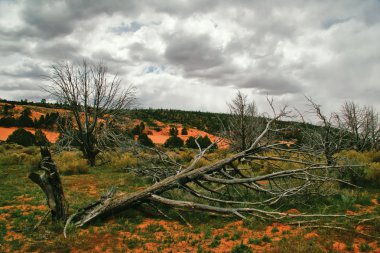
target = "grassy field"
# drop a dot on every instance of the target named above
(22, 206)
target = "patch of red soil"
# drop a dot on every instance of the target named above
(263, 182)
(339, 246)
(311, 235)
(6, 131)
(159, 137)
(180, 238)
(287, 143)
(349, 212)
(83, 183)
(293, 211)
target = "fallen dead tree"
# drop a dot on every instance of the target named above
(232, 185)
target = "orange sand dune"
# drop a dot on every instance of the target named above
(6, 131)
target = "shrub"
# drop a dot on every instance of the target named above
(20, 158)
(145, 140)
(41, 139)
(158, 129)
(373, 173)
(203, 142)
(70, 163)
(173, 142)
(376, 157)
(173, 131)
(190, 143)
(119, 161)
(184, 131)
(241, 248)
(266, 239)
(22, 137)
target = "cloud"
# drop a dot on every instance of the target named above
(194, 54)
(24, 70)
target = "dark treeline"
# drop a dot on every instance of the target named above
(42, 103)
(25, 119)
(206, 121)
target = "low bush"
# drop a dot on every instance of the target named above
(71, 163)
(173, 142)
(27, 156)
(241, 248)
(119, 161)
(145, 140)
(373, 174)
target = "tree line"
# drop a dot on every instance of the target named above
(25, 119)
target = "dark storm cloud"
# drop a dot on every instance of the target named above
(58, 50)
(26, 70)
(48, 19)
(192, 52)
(19, 86)
(272, 85)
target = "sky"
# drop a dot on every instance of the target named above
(196, 54)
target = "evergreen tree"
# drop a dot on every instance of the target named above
(173, 131)
(173, 142)
(8, 122)
(136, 130)
(25, 120)
(184, 131)
(41, 122)
(145, 140)
(142, 127)
(205, 141)
(190, 143)
(22, 137)
(41, 139)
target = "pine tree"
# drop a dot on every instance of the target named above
(22, 137)
(184, 131)
(173, 142)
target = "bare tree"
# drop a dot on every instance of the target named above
(96, 102)
(329, 137)
(372, 126)
(243, 125)
(363, 124)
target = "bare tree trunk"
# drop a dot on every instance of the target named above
(50, 182)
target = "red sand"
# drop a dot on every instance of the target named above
(6, 131)
(159, 137)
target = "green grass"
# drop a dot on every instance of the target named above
(255, 241)
(215, 242)
(241, 248)
(266, 239)
(153, 228)
(237, 235)
(364, 247)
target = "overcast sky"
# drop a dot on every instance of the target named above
(195, 54)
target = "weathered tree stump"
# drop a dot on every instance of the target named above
(50, 182)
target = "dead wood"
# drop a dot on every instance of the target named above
(50, 182)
